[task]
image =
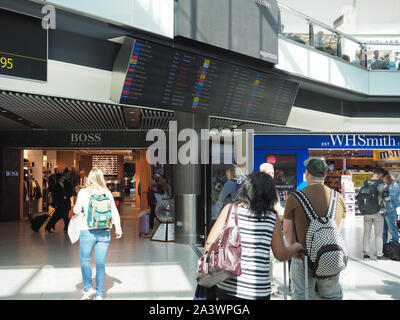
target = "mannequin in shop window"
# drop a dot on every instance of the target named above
(62, 194)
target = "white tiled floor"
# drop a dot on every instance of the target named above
(46, 266)
(362, 279)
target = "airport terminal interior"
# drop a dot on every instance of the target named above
(178, 95)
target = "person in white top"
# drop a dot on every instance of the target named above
(97, 239)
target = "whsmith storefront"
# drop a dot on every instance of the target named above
(351, 159)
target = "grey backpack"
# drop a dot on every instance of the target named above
(324, 243)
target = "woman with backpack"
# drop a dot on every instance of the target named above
(390, 222)
(96, 209)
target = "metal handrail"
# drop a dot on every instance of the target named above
(320, 24)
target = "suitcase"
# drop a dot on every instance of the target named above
(144, 224)
(285, 292)
(38, 221)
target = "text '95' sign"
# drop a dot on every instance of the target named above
(23, 46)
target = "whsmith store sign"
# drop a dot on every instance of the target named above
(297, 146)
(328, 141)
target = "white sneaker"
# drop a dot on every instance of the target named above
(99, 298)
(88, 295)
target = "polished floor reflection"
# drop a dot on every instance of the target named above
(46, 266)
(362, 279)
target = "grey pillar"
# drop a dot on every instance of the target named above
(188, 185)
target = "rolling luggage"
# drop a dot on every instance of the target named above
(144, 224)
(285, 292)
(38, 221)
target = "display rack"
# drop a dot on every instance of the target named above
(106, 163)
(349, 194)
(333, 180)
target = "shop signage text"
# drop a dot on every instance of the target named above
(328, 141)
(361, 140)
(85, 139)
(383, 155)
(12, 173)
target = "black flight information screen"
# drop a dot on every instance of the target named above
(163, 77)
(23, 46)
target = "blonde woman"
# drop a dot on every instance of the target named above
(95, 199)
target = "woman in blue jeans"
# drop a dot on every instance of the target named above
(94, 239)
(390, 222)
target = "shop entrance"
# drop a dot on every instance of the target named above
(126, 171)
(348, 169)
(351, 159)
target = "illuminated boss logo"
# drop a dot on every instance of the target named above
(85, 138)
(12, 173)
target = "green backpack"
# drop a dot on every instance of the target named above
(99, 212)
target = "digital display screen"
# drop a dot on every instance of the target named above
(248, 27)
(163, 77)
(23, 46)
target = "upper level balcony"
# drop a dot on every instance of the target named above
(315, 51)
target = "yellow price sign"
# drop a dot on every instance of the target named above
(359, 178)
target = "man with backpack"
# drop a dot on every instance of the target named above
(314, 217)
(371, 200)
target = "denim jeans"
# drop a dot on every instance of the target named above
(390, 225)
(98, 240)
(328, 289)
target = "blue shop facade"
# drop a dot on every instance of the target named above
(363, 152)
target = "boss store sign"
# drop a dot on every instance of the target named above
(85, 139)
(75, 139)
(12, 173)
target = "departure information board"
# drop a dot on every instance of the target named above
(23, 46)
(164, 77)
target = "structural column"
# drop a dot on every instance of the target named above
(188, 184)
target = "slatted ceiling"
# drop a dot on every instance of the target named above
(8, 124)
(15, 107)
(218, 123)
(155, 119)
(69, 114)
(62, 113)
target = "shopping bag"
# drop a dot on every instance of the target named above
(144, 224)
(74, 229)
(204, 293)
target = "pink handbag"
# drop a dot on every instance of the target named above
(223, 260)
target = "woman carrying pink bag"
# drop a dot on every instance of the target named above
(260, 228)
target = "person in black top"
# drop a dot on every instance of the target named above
(62, 194)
